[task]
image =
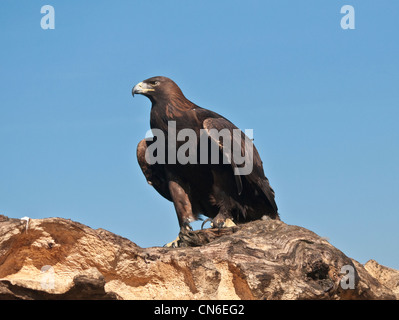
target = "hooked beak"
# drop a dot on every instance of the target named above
(141, 88)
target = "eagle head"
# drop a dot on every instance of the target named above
(156, 88)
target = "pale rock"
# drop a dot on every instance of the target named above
(266, 259)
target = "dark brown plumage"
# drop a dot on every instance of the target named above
(212, 190)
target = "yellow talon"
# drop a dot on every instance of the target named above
(173, 244)
(226, 223)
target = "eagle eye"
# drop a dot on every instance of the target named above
(154, 83)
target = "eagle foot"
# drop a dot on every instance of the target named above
(219, 224)
(223, 224)
(185, 228)
(174, 244)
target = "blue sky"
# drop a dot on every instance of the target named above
(323, 103)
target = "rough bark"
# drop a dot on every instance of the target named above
(258, 260)
(387, 276)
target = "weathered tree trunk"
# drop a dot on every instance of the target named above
(257, 260)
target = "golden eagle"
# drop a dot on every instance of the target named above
(200, 187)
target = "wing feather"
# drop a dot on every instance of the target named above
(257, 177)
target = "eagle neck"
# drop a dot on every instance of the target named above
(171, 108)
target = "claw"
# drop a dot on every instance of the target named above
(220, 223)
(228, 223)
(186, 227)
(205, 221)
(173, 244)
